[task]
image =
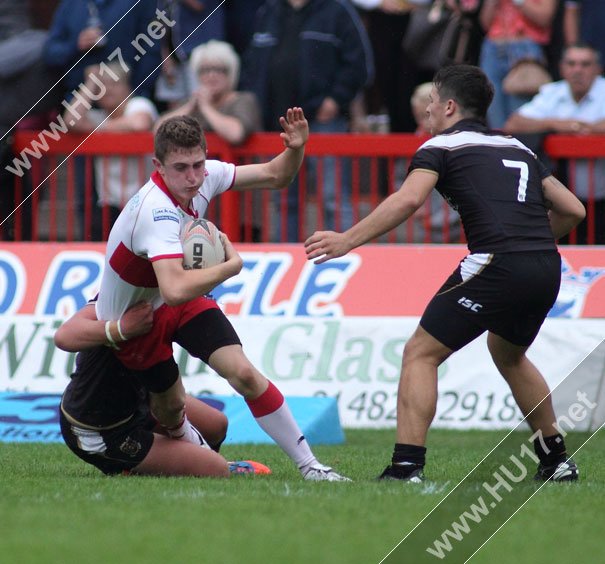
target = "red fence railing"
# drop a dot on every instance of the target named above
(71, 188)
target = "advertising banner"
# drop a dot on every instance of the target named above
(276, 280)
(335, 330)
(353, 359)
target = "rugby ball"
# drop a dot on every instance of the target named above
(202, 245)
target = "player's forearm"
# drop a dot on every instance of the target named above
(85, 336)
(186, 285)
(75, 336)
(388, 215)
(284, 167)
(565, 210)
(562, 224)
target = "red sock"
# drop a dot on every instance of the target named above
(268, 402)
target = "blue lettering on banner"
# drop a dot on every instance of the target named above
(160, 214)
(29, 417)
(324, 282)
(315, 293)
(29, 408)
(63, 288)
(8, 282)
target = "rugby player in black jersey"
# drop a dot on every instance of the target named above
(123, 421)
(512, 210)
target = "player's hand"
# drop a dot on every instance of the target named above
(231, 255)
(326, 245)
(296, 128)
(137, 320)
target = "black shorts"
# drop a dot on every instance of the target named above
(509, 294)
(205, 333)
(114, 450)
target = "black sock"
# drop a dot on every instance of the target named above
(555, 449)
(409, 453)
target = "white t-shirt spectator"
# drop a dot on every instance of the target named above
(555, 101)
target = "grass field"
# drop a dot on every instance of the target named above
(56, 509)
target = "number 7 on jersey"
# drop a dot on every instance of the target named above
(523, 177)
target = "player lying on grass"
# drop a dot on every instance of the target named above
(144, 262)
(121, 420)
(512, 210)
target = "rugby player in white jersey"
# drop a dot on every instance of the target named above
(144, 263)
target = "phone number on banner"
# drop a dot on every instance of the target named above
(455, 409)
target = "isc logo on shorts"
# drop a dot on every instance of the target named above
(469, 304)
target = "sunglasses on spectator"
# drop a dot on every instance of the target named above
(217, 69)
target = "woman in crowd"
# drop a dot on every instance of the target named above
(515, 30)
(216, 104)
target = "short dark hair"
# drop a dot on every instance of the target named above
(179, 132)
(468, 86)
(582, 45)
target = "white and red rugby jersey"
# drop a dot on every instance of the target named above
(148, 229)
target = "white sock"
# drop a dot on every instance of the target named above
(275, 418)
(283, 429)
(185, 431)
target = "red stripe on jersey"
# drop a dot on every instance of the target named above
(160, 257)
(133, 269)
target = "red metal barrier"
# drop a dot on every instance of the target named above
(72, 169)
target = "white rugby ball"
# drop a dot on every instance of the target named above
(202, 245)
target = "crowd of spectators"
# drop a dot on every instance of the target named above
(237, 65)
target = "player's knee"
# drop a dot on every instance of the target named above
(416, 350)
(505, 356)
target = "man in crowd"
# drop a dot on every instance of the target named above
(574, 105)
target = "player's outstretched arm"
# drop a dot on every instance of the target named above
(280, 171)
(83, 330)
(178, 285)
(565, 210)
(325, 245)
